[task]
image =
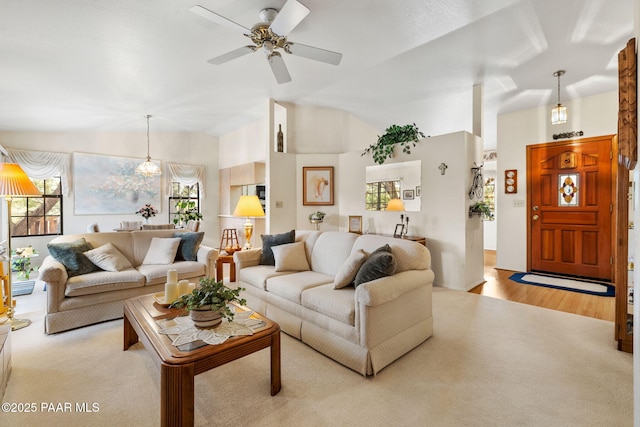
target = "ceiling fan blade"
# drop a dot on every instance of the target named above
(236, 53)
(314, 53)
(291, 14)
(278, 68)
(219, 19)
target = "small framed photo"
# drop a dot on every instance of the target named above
(355, 224)
(408, 194)
(317, 185)
(419, 191)
(399, 230)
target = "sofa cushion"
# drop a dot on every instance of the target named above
(290, 257)
(338, 305)
(162, 250)
(349, 269)
(380, 263)
(108, 258)
(103, 281)
(157, 273)
(189, 244)
(258, 275)
(70, 254)
(290, 286)
(271, 240)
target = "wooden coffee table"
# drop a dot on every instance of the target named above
(179, 367)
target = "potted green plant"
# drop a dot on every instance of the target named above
(481, 209)
(208, 303)
(21, 262)
(316, 218)
(186, 210)
(407, 136)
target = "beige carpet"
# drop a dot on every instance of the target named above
(489, 363)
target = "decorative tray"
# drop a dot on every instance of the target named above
(159, 299)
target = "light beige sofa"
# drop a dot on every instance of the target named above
(364, 328)
(98, 296)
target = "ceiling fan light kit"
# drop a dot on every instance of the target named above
(271, 36)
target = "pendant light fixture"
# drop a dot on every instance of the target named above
(148, 168)
(559, 113)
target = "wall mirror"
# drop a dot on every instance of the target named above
(401, 180)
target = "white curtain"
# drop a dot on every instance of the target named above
(185, 175)
(43, 165)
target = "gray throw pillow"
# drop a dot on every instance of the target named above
(70, 254)
(380, 263)
(270, 240)
(189, 244)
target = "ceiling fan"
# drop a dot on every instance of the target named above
(271, 36)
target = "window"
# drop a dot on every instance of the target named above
(38, 216)
(379, 193)
(187, 196)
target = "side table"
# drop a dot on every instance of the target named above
(225, 259)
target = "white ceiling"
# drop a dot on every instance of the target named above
(103, 65)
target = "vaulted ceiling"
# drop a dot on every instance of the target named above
(103, 65)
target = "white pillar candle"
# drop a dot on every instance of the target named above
(192, 286)
(172, 276)
(183, 287)
(170, 292)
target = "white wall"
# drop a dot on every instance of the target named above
(595, 116)
(188, 148)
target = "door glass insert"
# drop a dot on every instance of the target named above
(568, 191)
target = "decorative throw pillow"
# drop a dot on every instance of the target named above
(290, 257)
(349, 269)
(380, 263)
(162, 250)
(189, 244)
(108, 258)
(70, 254)
(271, 240)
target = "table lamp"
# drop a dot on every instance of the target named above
(248, 206)
(14, 182)
(397, 206)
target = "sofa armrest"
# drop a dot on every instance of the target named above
(247, 258)
(386, 289)
(55, 276)
(207, 255)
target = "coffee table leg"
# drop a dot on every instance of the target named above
(275, 363)
(176, 395)
(130, 335)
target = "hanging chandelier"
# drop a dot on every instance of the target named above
(558, 113)
(148, 168)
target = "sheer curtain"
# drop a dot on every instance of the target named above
(185, 175)
(43, 165)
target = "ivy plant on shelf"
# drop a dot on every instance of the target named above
(407, 136)
(482, 209)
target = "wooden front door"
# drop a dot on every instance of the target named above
(570, 191)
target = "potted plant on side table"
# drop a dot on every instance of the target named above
(208, 303)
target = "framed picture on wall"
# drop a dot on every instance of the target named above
(408, 195)
(355, 224)
(317, 185)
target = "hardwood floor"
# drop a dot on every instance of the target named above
(498, 285)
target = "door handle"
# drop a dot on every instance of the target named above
(536, 217)
(535, 208)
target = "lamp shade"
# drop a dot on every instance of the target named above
(395, 205)
(248, 206)
(15, 182)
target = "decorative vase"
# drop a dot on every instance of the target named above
(204, 317)
(147, 220)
